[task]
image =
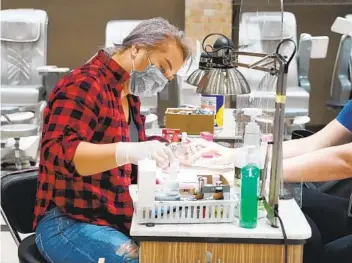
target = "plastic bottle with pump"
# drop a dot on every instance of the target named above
(252, 129)
(251, 138)
(250, 171)
(250, 174)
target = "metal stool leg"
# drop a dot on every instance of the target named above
(14, 234)
(18, 160)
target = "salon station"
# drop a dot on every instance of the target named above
(247, 86)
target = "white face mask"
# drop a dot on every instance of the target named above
(147, 83)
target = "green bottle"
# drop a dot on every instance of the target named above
(250, 174)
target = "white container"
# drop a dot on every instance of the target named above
(147, 181)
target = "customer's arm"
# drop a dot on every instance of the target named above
(74, 113)
(332, 163)
(331, 135)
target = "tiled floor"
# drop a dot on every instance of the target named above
(8, 252)
(8, 249)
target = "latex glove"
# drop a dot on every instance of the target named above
(200, 148)
(132, 152)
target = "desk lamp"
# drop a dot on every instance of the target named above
(223, 78)
(204, 66)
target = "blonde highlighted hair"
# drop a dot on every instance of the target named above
(151, 33)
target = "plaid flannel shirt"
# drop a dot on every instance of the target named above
(86, 106)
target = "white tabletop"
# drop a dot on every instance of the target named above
(296, 226)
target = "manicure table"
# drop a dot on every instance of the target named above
(224, 242)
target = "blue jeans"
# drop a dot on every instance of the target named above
(61, 239)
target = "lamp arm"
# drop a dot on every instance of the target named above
(244, 65)
(276, 161)
(251, 54)
(279, 120)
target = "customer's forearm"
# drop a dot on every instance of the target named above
(331, 135)
(298, 147)
(92, 158)
(333, 163)
(301, 146)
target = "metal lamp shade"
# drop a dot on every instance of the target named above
(223, 82)
(196, 77)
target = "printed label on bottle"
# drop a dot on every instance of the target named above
(214, 103)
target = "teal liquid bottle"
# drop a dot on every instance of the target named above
(250, 175)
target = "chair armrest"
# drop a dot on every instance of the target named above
(9, 109)
(13, 95)
(50, 69)
(341, 88)
(309, 48)
(303, 60)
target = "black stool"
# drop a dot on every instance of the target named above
(18, 194)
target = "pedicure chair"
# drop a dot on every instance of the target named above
(26, 81)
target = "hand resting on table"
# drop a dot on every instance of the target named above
(214, 153)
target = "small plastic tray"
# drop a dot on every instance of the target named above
(184, 212)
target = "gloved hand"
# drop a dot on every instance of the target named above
(200, 148)
(132, 152)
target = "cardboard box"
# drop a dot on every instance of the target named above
(189, 122)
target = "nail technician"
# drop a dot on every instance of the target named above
(93, 131)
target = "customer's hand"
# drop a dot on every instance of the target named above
(201, 148)
(132, 152)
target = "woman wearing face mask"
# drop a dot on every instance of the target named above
(92, 133)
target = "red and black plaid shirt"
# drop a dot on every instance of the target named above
(86, 106)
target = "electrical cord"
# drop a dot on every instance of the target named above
(210, 53)
(285, 236)
(293, 52)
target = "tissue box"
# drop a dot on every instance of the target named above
(188, 121)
